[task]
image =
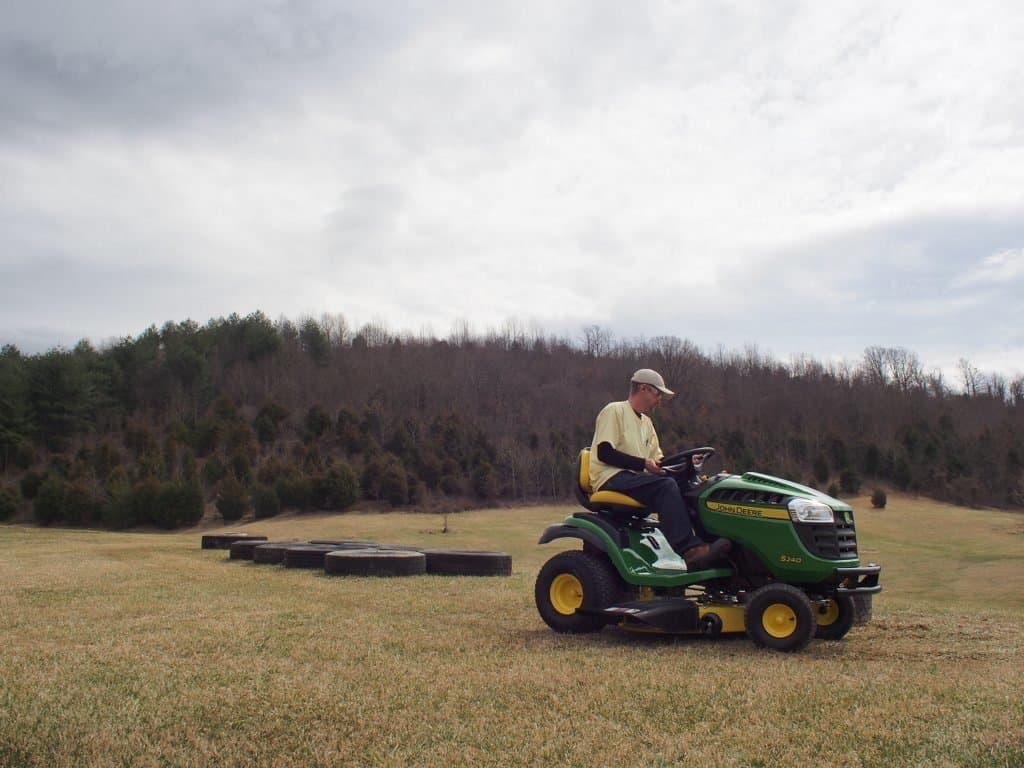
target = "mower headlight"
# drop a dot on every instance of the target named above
(808, 511)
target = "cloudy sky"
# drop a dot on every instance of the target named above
(810, 177)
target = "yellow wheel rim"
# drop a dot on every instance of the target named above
(566, 594)
(779, 620)
(828, 615)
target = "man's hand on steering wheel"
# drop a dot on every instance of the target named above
(653, 466)
(684, 461)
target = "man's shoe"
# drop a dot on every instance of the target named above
(700, 557)
(694, 556)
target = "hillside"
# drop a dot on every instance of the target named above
(260, 415)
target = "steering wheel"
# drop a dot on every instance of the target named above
(679, 462)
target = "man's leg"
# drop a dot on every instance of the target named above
(660, 494)
(691, 508)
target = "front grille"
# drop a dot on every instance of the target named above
(837, 541)
(746, 495)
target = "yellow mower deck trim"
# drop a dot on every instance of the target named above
(731, 616)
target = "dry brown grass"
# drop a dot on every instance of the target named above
(142, 649)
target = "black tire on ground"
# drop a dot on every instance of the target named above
(242, 550)
(465, 562)
(225, 540)
(574, 584)
(779, 616)
(835, 620)
(862, 608)
(374, 562)
(349, 543)
(307, 555)
(272, 552)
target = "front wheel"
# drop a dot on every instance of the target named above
(835, 618)
(572, 587)
(779, 616)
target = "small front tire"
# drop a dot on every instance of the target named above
(779, 616)
(572, 587)
(835, 618)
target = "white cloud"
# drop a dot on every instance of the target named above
(1000, 267)
(565, 162)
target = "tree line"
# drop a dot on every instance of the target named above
(251, 414)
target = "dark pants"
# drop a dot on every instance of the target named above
(661, 494)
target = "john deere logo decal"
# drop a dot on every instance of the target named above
(747, 511)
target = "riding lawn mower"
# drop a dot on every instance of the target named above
(791, 575)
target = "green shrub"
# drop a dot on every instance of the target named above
(485, 481)
(241, 439)
(265, 502)
(118, 510)
(849, 482)
(268, 422)
(294, 491)
(878, 498)
(213, 471)
(60, 464)
(232, 499)
(317, 422)
(373, 472)
(188, 466)
(338, 488)
(30, 484)
(450, 485)
(144, 498)
(241, 467)
(417, 489)
(205, 435)
(394, 487)
(312, 461)
(430, 469)
(139, 437)
(48, 506)
(152, 464)
(9, 502)
(271, 469)
(177, 504)
(82, 505)
(24, 455)
(105, 459)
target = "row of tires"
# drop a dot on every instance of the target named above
(361, 558)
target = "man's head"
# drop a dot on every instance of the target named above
(646, 389)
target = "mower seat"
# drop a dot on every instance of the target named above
(617, 503)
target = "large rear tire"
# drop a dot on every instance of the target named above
(572, 586)
(779, 616)
(835, 619)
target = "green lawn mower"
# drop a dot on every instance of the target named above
(792, 573)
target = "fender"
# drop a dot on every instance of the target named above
(562, 531)
(591, 534)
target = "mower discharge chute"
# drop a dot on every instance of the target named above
(792, 573)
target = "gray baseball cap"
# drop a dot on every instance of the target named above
(647, 376)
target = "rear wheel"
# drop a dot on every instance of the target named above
(779, 616)
(572, 586)
(835, 618)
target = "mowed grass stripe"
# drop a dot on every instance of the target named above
(142, 649)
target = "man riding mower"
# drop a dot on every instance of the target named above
(790, 573)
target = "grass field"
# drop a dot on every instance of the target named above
(140, 649)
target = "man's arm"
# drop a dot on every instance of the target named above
(614, 458)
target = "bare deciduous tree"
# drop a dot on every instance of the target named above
(597, 341)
